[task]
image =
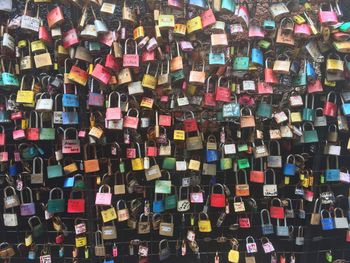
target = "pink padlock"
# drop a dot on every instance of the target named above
(327, 17)
(104, 198)
(302, 31)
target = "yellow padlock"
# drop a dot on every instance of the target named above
(137, 164)
(166, 21)
(109, 215)
(194, 24)
(148, 80)
(179, 135)
(334, 63)
(194, 165)
(139, 32)
(37, 46)
(295, 117)
(80, 241)
(180, 29)
(299, 19)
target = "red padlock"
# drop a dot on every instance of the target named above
(2, 136)
(347, 235)
(327, 17)
(222, 93)
(130, 60)
(131, 121)
(330, 108)
(55, 17)
(217, 199)
(244, 222)
(76, 205)
(112, 62)
(270, 76)
(190, 125)
(165, 120)
(18, 115)
(314, 87)
(277, 211)
(70, 38)
(209, 97)
(59, 239)
(44, 35)
(148, 56)
(151, 150)
(33, 132)
(101, 73)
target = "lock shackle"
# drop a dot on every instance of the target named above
(187, 192)
(291, 156)
(24, 78)
(163, 217)
(70, 129)
(309, 123)
(6, 190)
(41, 119)
(144, 215)
(103, 187)
(336, 161)
(267, 212)
(56, 189)
(126, 46)
(284, 222)
(261, 164)
(332, 127)
(205, 215)
(329, 96)
(278, 146)
(245, 176)
(30, 194)
(272, 171)
(195, 187)
(79, 220)
(133, 110)
(56, 101)
(318, 110)
(300, 231)
(217, 185)
(87, 152)
(123, 202)
(333, 55)
(168, 67)
(177, 49)
(110, 98)
(276, 199)
(34, 162)
(341, 212)
(71, 195)
(249, 238)
(167, 173)
(163, 241)
(307, 100)
(262, 142)
(30, 223)
(98, 238)
(325, 211)
(239, 198)
(289, 203)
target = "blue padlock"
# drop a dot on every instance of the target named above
(68, 182)
(332, 175)
(310, 72)
(158, 205)
(197, 3)
(70, 100)
(257, 56)
(327, 222)
(70, 117)
(108, 261)
(211, 155)
(289, 169)
(12, 168)
(32, 255)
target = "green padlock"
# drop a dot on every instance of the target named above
(300, 80)
(264, 44)
(228, 6)
(39, 229)
(242, 147)
(94, 46)
(265, 108)
(79, 181)
(309, 112)
(243, 163)
(329, 256)
(177, 76)
(345, 27)
(269, 25)
(169, 163)
(171, 200)
(56, 205)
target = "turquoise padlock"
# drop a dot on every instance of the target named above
(231, 109)
(269, 24)
(309, 111)
(264, 109)
(345, 107)
(310, 72)
(9, 80)
(345, 27)
(54, 170)
(309, 136)
(228, 5)
(240, 62)
(171, 199)
(177, 76)
(216, 59)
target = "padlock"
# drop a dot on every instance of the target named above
(330, 107)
